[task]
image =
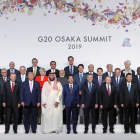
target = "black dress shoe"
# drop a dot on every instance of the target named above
(34, 131)
(26, 132)
(93, 132)
(86, 131)
(104, 131)
(134, 132)
(75, 132)
(126, 132)
(6, 132)
(111, 131)
(15, 131)
(68, 132)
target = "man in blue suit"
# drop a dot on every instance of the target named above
(99, 81)
(89, 102)
(79, 79)
(71, 102)
(117, 81)
(34, 68)
(30, 96)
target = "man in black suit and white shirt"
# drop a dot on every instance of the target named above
(34, 68)
(71, 69)
(53, 69)
(12, 69)
(108, 101)
(109, 71)
(3, 79)
(11, 102)
(129, 101)
(21, 78)
(91, 71)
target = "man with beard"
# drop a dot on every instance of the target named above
(52, 105)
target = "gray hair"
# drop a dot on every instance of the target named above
(61, 70)
(128, 62)
(109, 65)
(90, 65)
(42, 69)
(23, 67)
(3, 69)
(12, 62)
(107, 77)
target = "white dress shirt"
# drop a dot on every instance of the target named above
(52, 70)
(100, 77)
(90, 73)
(129, 84)
(109, 87)
(71, 85)
(32, 83)
(22, 75)
(110, 73)
(11, 83)
(5, 78)
(118, 79)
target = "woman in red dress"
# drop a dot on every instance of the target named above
(42, 78)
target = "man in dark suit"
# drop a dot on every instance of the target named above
(89, 102)
(12, 69)
(108, 101)
(109, 71)
(136, 80)
(99, 81)
(79, 79)
(3, 79)
(34, 68)
(71, 69)
(129, 101)
(21, 78)
(53, 69)
(127, 69)
(117, 81)
(30, 96)
(11, 101)
(71, 102)
(91, 71)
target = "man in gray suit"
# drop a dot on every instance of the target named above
(3, 79)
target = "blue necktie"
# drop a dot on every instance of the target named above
(71, 70)
(117, 81)
(90, 87)
(22, 78)
(139, 80)
(81, 78)
(129, 87)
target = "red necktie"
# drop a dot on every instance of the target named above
(4, 79)
(108, 91)
(12, 86)
(11, 70)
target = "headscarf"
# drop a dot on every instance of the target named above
(55, 87)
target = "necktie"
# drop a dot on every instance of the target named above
(22, 78)
(11, 70)
(4, 79)
(110, 74)
(71, 88)
(139, 80)
(34, 71)
(108, 91)
(71, 70)
(12, 86)
(129, 87)
(31, 86)
(100, 81)
(81, 78)
(117, 81)
(90, 87)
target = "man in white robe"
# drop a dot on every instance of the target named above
(52, 106)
